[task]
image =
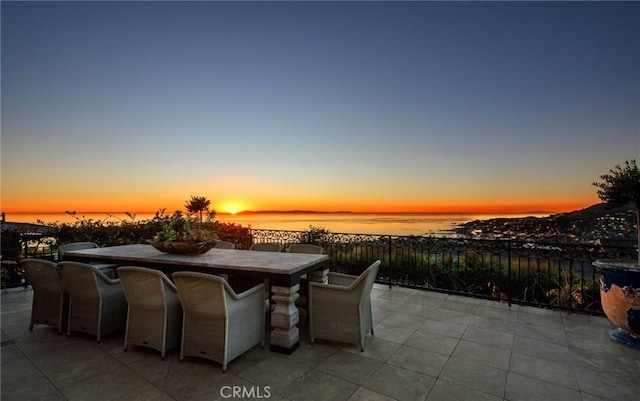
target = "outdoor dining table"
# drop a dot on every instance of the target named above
(283, 270)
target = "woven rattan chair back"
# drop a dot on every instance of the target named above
(305, 248)
(341, 309)
(218, 324)
(143, 286)
(97, 304)
(50, 298)
(154, 314)
(74, 246)
(266, 247)
(107, 268)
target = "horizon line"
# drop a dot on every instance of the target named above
(296, 211)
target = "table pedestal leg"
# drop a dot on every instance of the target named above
(285, 336)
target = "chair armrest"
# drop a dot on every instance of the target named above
(249, 303)
(106, 279)
(169, 284)
(247, 293)
(341, 279)
(332, 293)
(316, 285)
(339, 296)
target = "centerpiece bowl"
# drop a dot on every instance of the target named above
(182, 248)
(184, 236)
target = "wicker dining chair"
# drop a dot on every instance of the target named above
(107, 268)
(341, 309)
(266, 247)
(224, 245)
(218, 324)
(50, 303)
(97, 304)
(154, 316)
(305, 248)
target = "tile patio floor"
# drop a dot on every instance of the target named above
(427, 346)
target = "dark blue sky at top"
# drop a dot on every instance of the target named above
(402, 82)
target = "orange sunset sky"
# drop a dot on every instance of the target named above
(476, 107)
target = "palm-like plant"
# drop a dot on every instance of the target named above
(620, 187)
(198, 205)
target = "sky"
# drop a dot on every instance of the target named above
(332, 106)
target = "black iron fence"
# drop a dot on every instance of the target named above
(524, 272)
(548, 275)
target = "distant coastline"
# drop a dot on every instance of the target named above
(584, 225)
(538, 212)
(296, 211)
(435, 223)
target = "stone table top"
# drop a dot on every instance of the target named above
(285, 267)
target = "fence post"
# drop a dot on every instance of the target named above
(571, 286)
(509, 272)
(389, 259)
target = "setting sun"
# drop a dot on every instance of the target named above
(231, 207)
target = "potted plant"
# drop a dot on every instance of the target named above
(620, 279)
(181, 235)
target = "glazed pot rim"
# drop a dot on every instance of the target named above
(617, 265)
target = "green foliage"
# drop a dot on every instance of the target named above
(10, 241)
(621, 186)
(531, 280)
(235, 233)
(315, 235)
(354, 258)
(4, 277)
(198, 205)
(10, 273)
(107, 232)
(121, 232)
(570, 291)
(181, 229)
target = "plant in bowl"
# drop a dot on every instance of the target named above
(184, 236)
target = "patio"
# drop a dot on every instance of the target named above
(427, 346)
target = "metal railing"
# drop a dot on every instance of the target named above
(547, 275)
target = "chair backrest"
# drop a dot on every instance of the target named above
(370, 276)
(74, 246)
(143, 286)
(305, 248)
(266, 247)
(42, 275)
(365, 281)
(224, 245)
(202, 293)
(81, 279)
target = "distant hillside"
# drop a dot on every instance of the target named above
(585, 225)
(597, 210)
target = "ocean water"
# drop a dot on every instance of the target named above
(438, 224)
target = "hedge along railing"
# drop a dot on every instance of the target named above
(514, 271)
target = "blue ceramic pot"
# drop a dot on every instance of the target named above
(620, 297)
